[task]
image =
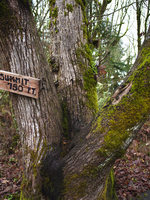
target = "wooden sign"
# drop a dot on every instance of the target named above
(19, 84)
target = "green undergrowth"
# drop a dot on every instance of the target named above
(15, 196)
(8, 123)
(118, 121)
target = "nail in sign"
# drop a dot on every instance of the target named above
(19, 84)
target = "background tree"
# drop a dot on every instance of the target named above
(71, 61)
(142, 14)
(104, 32)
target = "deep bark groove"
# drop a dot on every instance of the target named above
(67, 38)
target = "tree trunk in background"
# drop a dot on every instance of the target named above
(138, 18)
(39, 121)
(70, 59)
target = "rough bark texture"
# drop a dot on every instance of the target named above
(70, 62)
(39, 121)
(87, 163)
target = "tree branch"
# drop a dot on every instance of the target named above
(111, 133)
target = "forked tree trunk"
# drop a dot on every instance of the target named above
(71, 59)
(88, 163)
(39, 121)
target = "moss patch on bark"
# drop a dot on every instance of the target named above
(118, 121)
(109, 189)
(86, 63)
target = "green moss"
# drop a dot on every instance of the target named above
(54, 13)
(34, 169)
(66, 13)
(119, 120)
(69, 7)
(84, 54)
(14, 196)
(76, 184)
(52, 2)
(15, 140)
(82, 3)
(109, 189)
(77, 190)
(90, 88)
(24, 194)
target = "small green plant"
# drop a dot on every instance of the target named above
(15, 196)
(12, 160)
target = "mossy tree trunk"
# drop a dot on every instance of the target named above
(39, 121)
(88, 164)
(71, 58)
(85, 168)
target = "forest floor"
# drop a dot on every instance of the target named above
(132, 172)
(10, 153)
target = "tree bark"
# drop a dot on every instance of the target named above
(138, 18)
(81, 174)
(70, 59)
(39, 121)
(88, 163)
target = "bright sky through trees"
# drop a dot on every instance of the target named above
(129, 25)
(130, 22)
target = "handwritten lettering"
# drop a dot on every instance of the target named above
(19, 84)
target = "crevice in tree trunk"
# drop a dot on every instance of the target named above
(67, 38)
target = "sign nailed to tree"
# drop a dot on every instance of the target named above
(19, 84)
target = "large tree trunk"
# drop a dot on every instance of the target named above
(71, 59)
(87, 164)
(39, 121)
